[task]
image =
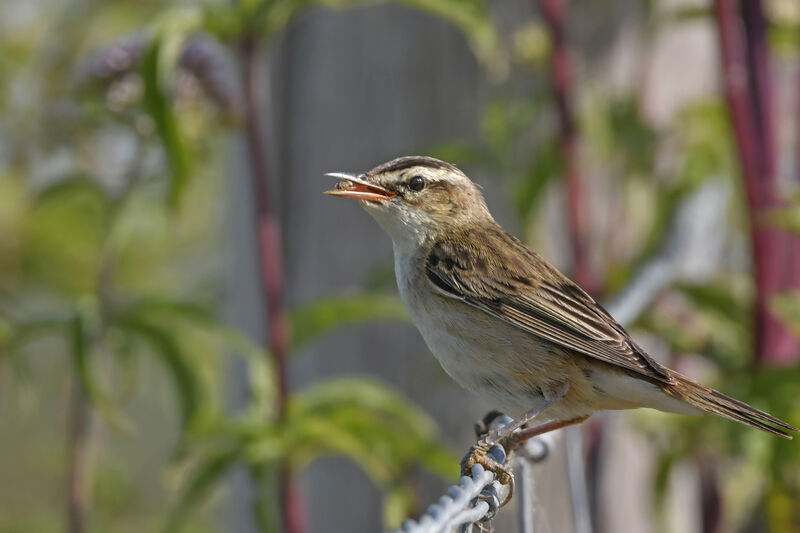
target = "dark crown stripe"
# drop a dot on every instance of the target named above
(411, 161)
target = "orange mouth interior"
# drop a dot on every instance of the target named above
(361, 190)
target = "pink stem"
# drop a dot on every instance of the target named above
(554, 13)
(270, 254)
(561, 76)
(748, 89)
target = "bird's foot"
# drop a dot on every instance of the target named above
(479, 454)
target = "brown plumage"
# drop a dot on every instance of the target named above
(505, 323)
(504, 278)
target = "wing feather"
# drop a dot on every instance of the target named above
(504, 278)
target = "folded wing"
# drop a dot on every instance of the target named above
(509, 281)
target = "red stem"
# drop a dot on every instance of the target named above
(758, 63)
(748, 88)
(561, 78)
(777, 343)
(270, 255)
(554, 13)
(793, 265)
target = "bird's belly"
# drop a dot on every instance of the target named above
(506, 366)
(479, 361)
(514, 369)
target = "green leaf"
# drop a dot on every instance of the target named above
(202, 480)
(532, 45)
(266, 505)
(15, 336)
(474, 19)
(369, 423)
(705, 138)
(313, 320)
(721, 298)
(706, 331)
(159, 106)
(362, 392)
(66, 234)
(631, 135)
(6, 334)
(784, 36)
(168, 308)
(158, 72)
(787, 218)
(351, 417)
(528, 190)
(398, 503)
(497, 124)
(685, 14)
(166, 347)
(787, 307)
(470, 16)
(314, 436)
(173, 313)
(661, 478)
(82, 355)
(126, 371)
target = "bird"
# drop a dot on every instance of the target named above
(506, 324)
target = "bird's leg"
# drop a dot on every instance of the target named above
(525, 434)
(477, 454)
(499, 434)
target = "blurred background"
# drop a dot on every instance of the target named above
(193, 338)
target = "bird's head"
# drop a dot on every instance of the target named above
(414, 197)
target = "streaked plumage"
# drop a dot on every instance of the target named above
(505, 323)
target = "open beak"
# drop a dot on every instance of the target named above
(356, 186)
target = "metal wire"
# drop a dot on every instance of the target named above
(576, 476)
(476, 499)
(462, 505)
(536, 451)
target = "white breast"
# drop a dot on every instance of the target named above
(474, 348)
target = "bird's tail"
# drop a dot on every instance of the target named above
(716, 403)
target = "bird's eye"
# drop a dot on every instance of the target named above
(417, 183)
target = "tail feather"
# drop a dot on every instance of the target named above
(716, 403)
